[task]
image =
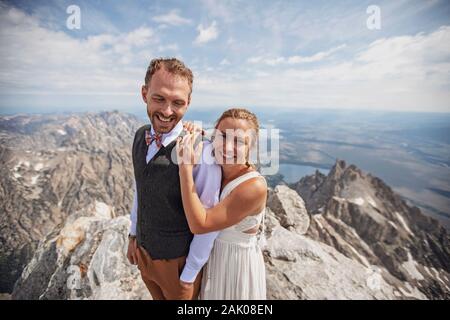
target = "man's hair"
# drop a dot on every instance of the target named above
(171, 65)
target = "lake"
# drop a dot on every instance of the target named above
(294, 172)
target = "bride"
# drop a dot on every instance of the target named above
(235, 269)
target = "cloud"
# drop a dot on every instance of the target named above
(421, 58)
(43, 66)
(35, 60)
(206, 34)
(172, 18)
(224, 10)
(274, 61)
(168, 47)
(396, 73)
(316, 57)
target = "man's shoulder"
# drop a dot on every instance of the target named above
(143, 127)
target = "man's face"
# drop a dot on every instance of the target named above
(167, 97)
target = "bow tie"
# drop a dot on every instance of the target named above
(149, 138)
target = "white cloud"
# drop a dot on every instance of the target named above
(223, 10)
(168, 47)
(397, 73)
(255, 59)
(316, 57)
(172, 18)
(274, 61)
(35, 60)
(206, 34)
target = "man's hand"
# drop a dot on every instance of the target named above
(132, 248)
(186, 285)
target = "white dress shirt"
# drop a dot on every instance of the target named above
(207, 178)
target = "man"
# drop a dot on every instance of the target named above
(168, 255)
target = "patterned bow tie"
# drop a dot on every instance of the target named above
(149, 138)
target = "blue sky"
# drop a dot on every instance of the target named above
(294, 54)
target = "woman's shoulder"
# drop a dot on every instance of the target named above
(253, 187)
(250, 194)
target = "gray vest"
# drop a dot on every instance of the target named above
(162, 228)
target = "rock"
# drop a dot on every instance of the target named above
(85, 260)
(289, 208)
(361, 217)
(97, 268)
(66, 190)
(301, 268)
(53, 166)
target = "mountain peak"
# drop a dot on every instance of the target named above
(366, 220)
(54, 166)
(67, 182)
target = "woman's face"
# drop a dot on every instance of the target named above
(231, 141)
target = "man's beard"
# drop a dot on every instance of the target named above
(162, 124)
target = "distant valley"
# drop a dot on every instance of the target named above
(410, 151)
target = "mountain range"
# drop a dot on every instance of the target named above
(66, 192)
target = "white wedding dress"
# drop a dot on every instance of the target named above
(235, 269)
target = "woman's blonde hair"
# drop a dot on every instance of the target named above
(244, 114)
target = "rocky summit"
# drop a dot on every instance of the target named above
(361, 217)
(52, 167)
(66, 192)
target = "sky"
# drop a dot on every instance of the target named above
(258, 54)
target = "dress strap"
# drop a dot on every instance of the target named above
(234, 183)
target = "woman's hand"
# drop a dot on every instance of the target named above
(191, 127)
(189, 154)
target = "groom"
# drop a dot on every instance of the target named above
(169, 257)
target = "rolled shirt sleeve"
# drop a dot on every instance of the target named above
(133, 214)
(207, 178)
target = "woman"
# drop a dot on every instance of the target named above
(235, 269)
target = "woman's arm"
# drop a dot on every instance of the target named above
(247, 198)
